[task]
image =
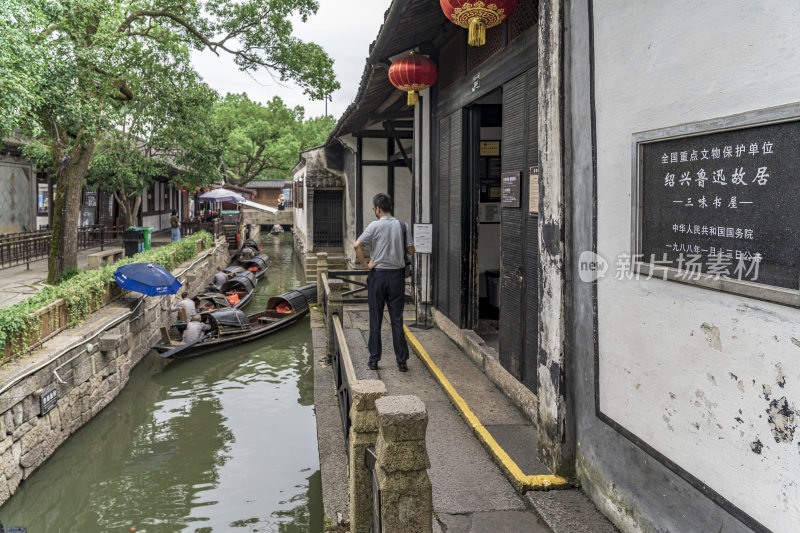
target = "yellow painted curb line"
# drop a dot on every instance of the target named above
(520, 481)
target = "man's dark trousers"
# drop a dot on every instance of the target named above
(386, 287)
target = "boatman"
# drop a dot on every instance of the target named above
(187, 304)
(389, 241)
(195, 330)
(220, 278)
(246, 254)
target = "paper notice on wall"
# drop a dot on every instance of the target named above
(423, 238)
(533, 195)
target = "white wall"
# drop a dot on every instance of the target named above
(300, 222)
(687, 370)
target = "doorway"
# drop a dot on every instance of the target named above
(484, 169)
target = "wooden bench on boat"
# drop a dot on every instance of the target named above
(109, 256)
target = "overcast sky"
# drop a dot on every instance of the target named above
(344, 28)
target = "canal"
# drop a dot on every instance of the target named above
(223, 442)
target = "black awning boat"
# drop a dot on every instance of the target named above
(230, 327)
(257, 265)
(239, 289)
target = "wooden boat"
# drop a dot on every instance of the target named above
(257, 265)
(250, 243)
(230, 327)
(239, 289)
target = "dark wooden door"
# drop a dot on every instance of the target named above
(451, 276)
(328, 219)
(519, 256)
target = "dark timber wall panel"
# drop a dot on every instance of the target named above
(531, 238)
(448, 258)
(519, 305)
(512, 267)
(443, 240)
(455, 226)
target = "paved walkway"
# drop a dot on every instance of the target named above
(21, 282)
(470, 491)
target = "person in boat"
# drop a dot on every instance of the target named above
(220, 277)
(246, 254)
(277, 228)
(195, 330)
(187, 304)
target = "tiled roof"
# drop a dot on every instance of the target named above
(267, 184)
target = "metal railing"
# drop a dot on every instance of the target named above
(27, 247)
(357, 287)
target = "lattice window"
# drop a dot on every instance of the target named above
(451, 61)
(525, 17)
(476, 55)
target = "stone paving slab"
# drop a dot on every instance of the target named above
(521, 443)
(359, 353)
(489, 404)
(570, 511)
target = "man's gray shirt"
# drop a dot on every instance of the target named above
(187, 304)
(386, 246)
(220, 278)
(194, 331)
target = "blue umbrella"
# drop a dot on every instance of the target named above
(147, 278)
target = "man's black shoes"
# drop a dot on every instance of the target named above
(372, 366)
(403, 367)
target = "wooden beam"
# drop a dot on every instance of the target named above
(390, 128)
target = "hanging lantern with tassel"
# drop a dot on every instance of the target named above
(412, 74)
(478, 16)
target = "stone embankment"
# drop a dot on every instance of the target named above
(82, 370)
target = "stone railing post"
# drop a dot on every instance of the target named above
(322, 266)
(402, 463)
(334, 307)
(363, 434)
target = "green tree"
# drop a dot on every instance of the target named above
(164, 131)
(263, 141)
(85, 54)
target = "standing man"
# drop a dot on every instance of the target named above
(175, 224)
(389, 241)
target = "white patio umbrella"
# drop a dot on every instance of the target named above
(222, 195)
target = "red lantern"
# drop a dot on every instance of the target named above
(477, 16)
(413, 74)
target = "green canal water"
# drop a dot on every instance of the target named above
(223, 442)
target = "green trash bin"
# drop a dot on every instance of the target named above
(148, 232)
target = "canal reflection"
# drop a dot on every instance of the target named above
(222, 442)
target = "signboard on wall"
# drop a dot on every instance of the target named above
(510, 189)
(490, 148)
(722, 204)
(423, 238)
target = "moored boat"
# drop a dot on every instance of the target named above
(257, 265)
(239, 289)
(230, 327)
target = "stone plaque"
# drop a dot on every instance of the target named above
(510, 189)
(723, 204)
(48, 400)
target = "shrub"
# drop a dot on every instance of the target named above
(80, 288)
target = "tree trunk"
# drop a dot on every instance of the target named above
(70, 176)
